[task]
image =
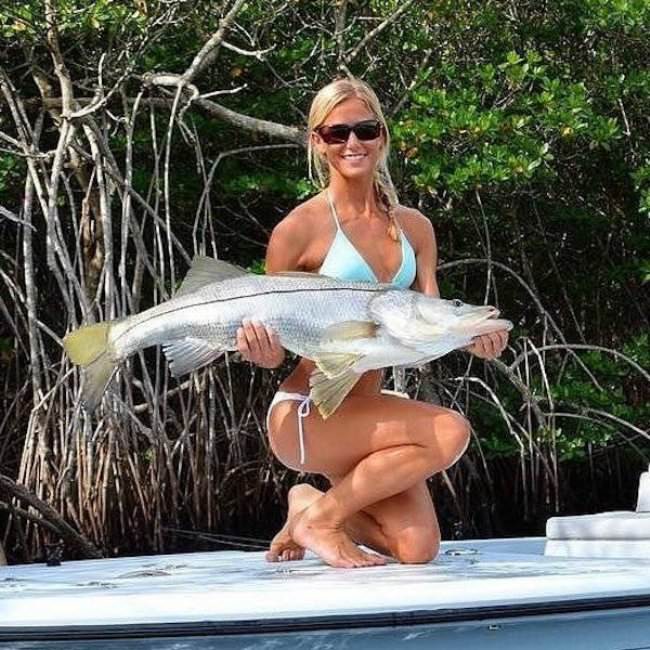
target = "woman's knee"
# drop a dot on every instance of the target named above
(451, 435)
(416, 545)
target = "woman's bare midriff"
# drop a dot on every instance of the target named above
(298, 381)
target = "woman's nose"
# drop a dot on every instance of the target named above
(352, 139)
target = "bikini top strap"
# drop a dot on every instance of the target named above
(332, 209)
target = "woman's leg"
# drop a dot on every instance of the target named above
(408, 523)
(362, 527)
(383, 446)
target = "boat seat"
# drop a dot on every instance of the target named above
(604, 525)
(605, 534)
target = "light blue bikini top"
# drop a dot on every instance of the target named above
(345, 262)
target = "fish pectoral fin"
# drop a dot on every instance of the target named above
(206, 270)
(350, 329)
(333, 364)
(188, 354)
(328, 393)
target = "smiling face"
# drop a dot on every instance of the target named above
(354, 158)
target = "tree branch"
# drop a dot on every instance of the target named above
(50, 515)
(210, 50)
(354, 52)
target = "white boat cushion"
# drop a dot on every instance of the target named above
(617, 548)
(643, 501)
(602, 526)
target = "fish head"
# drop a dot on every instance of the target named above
(459, 318)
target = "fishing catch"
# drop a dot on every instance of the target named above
(346, 328)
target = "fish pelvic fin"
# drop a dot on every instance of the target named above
(206, 270)
(328, 393)
(88, 347)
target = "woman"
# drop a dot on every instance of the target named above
(377, 450)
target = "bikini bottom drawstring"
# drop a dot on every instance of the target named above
(303, 411)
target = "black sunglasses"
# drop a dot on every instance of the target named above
(339, 133)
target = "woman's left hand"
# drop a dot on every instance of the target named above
(488, 346)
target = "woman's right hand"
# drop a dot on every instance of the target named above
(259, 344)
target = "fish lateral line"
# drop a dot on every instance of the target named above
(215, 301)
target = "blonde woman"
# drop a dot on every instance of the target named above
(376, 450)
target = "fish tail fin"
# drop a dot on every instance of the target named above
(88, 348)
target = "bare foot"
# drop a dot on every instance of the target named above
(330, 542)
(283, 547)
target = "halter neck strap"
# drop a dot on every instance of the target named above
(332, 209)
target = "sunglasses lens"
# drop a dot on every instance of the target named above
(367, 130)
(335, 134)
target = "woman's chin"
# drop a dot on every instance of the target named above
(355, 173)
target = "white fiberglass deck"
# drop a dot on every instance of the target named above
(234, 593)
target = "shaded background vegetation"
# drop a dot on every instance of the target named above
(134, 134)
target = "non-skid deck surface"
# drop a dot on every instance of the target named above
(228, 586)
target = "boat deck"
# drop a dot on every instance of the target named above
(493, 588)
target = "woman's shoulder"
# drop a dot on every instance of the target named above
(418, 227)
(296, 232)
(303, 217)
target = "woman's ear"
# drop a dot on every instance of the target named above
(318, 144)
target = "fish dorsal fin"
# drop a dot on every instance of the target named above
(328, 393)
(206, 270)
(188, 354)
(350, 329)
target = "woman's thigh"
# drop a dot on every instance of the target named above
(364, 424)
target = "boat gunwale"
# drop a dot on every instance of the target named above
(330, 622)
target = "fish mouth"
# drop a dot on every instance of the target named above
(483, 314)
(478, 321)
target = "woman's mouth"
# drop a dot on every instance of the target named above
(354, 156)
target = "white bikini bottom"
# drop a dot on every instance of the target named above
(303, 411)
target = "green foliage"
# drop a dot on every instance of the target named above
(267, 182)
(615, 396)
(11, 172)
(82, 18)
(257, 266)
(455, 139)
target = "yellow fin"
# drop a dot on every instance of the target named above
(206, 270)
(87, 343)
(88, 347)
(333, 364)
(351, 329)
(97, 375)
(328, 393)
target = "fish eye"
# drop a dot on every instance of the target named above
(457, 303)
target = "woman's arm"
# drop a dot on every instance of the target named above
(486, 346)
(256, 342)
(426, 258)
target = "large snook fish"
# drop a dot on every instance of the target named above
(346, 328)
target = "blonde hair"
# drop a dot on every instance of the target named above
(323, 103)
